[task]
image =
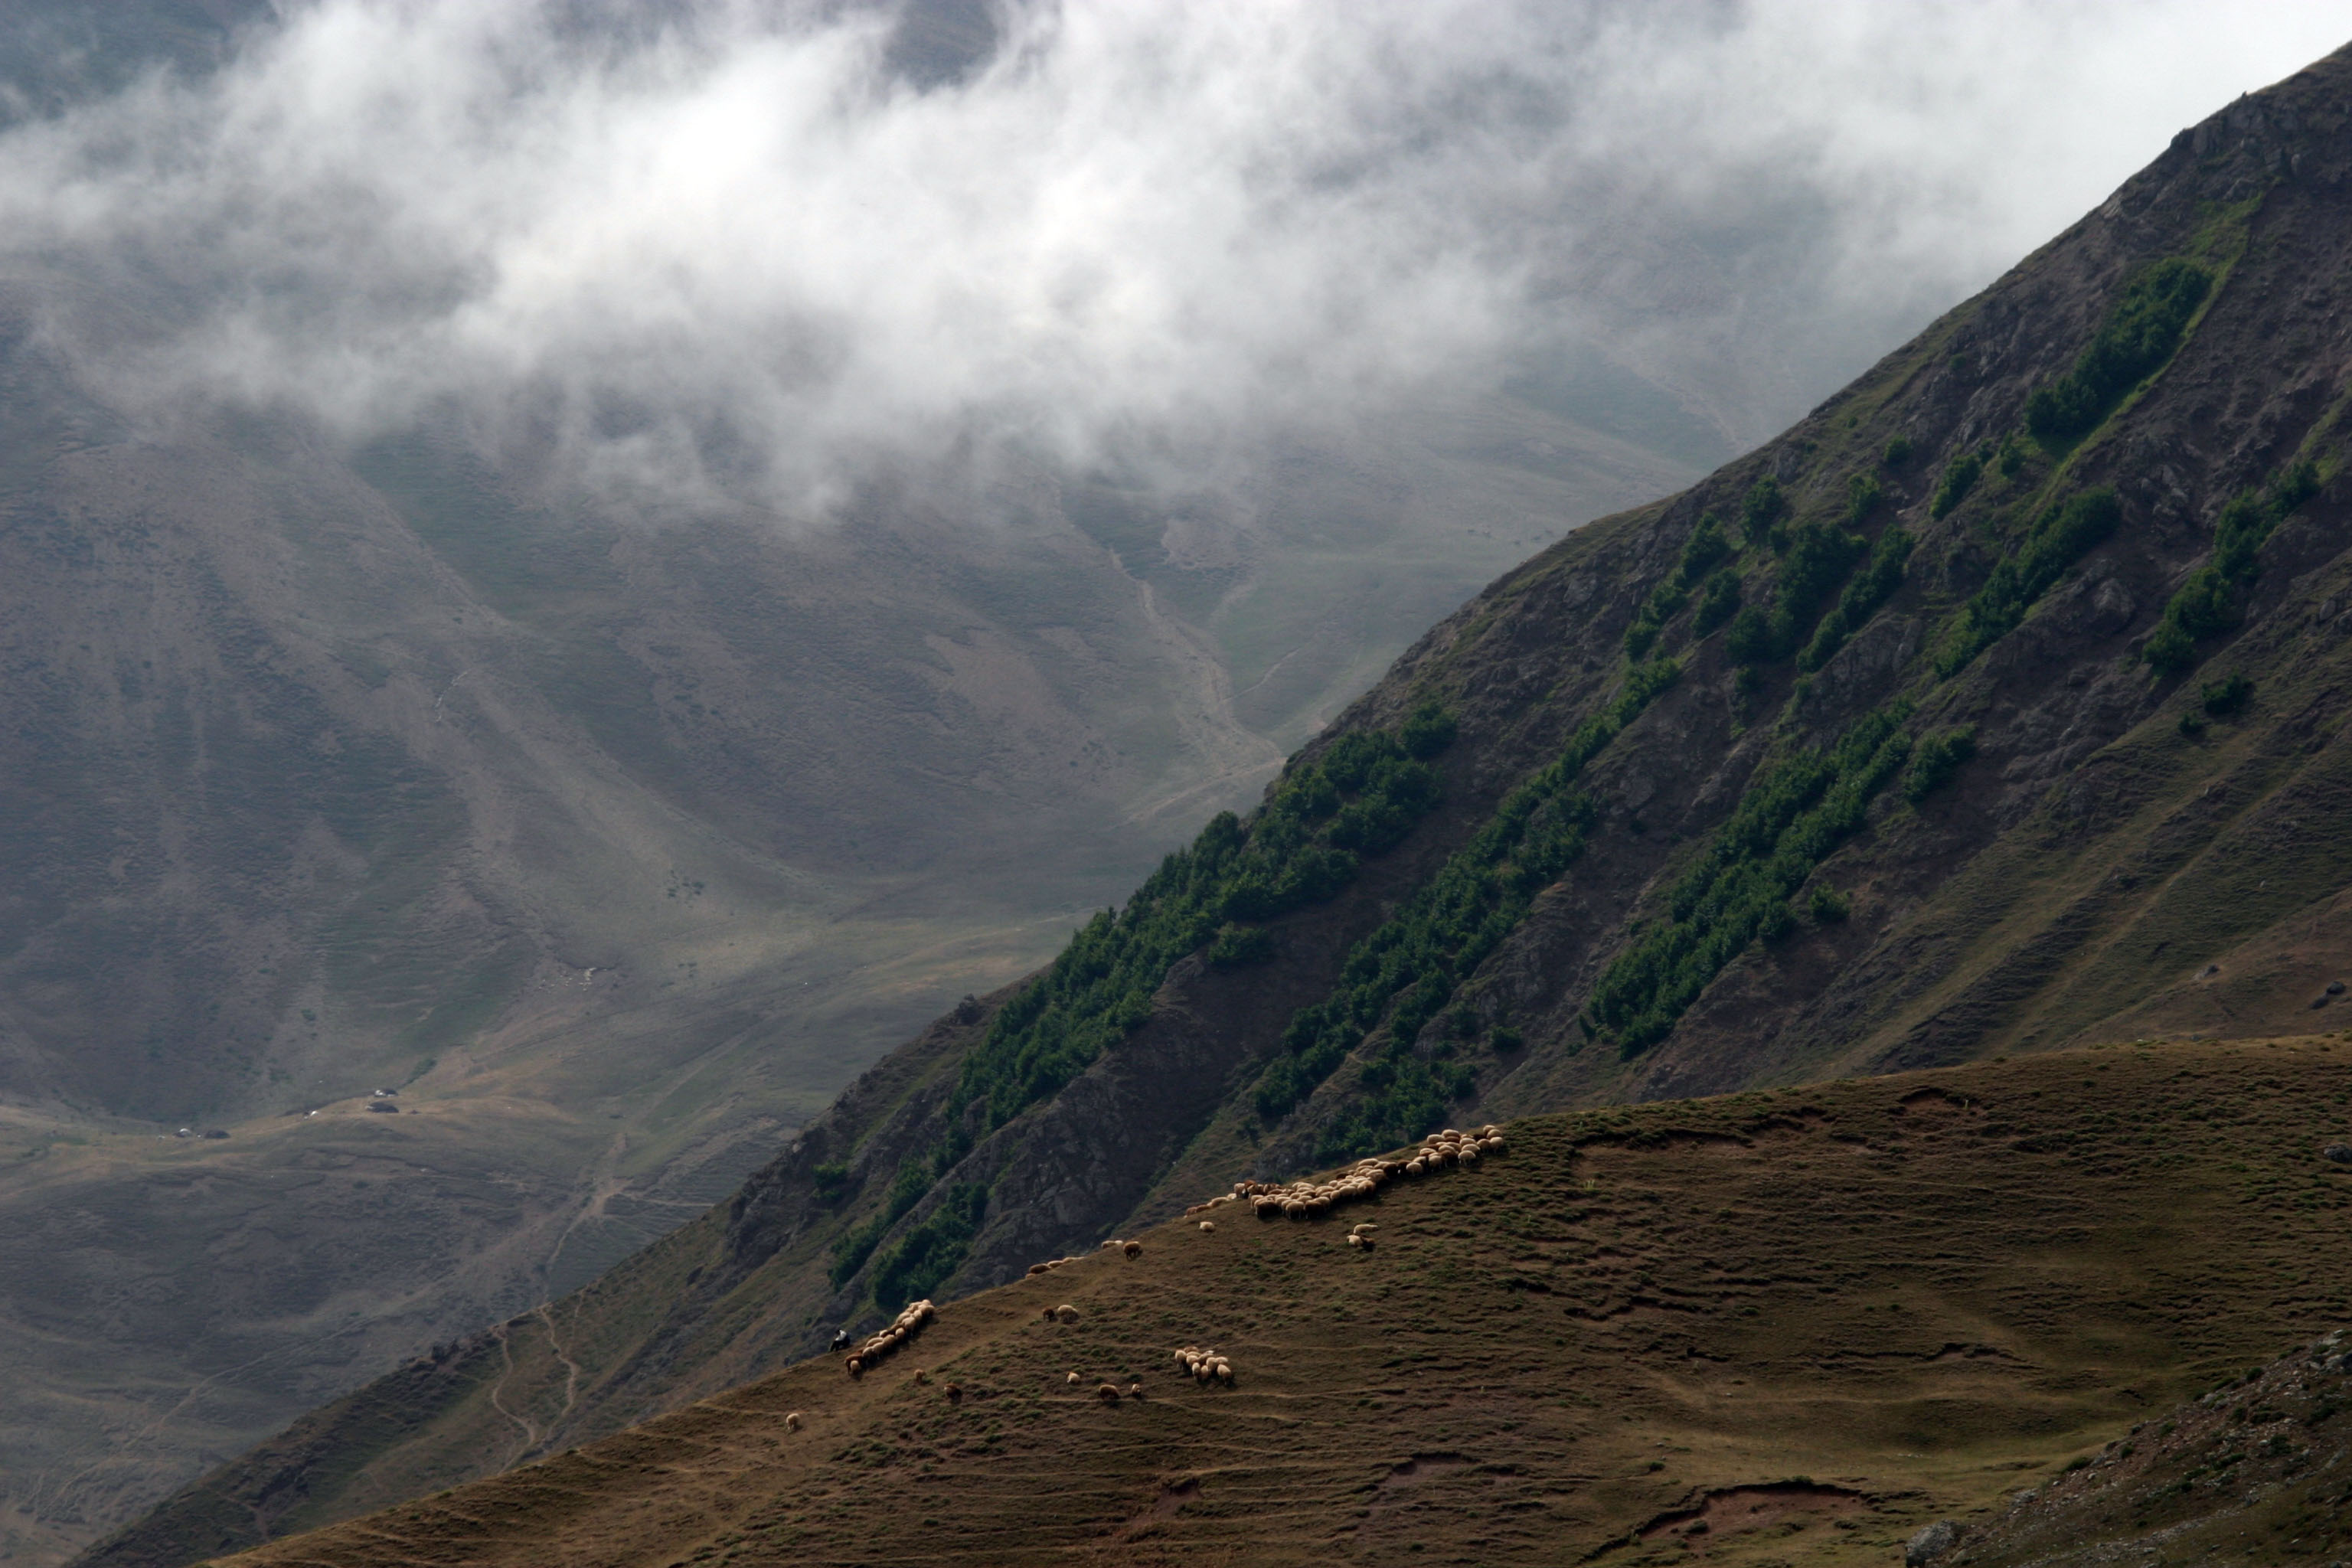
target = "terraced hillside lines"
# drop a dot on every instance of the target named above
(1809, 1320)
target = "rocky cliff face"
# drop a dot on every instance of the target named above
(1996, 705)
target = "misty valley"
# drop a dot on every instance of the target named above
(992, 781)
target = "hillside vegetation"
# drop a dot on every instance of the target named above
(1996, 708)
(1778, 1326)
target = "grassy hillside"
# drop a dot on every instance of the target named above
(1809, 1320)
(1995, 707)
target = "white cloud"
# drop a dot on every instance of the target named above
(735, 257)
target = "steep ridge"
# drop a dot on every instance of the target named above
(1995, 707)
(1794, 1326)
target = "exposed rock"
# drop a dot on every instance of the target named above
(1931, 1543)
(2341, 1153)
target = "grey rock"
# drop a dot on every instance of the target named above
(2341, 1153)
(1931, 1543)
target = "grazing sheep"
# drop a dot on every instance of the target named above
(1224, 1372)
(792, 1421)
(1355, 1240)
(1208, 1224)
(1066, 1313)
(1135, 1391)
(1049, 1314)
(1037, 1268)
(1468, 1156)
(854, 1367)
(1364, 1227)
(954, 1393)
(921, 1377)
(1108, 1393)
(1072, 1380)
(1132, 1248)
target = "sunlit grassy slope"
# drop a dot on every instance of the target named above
(1809, 1320)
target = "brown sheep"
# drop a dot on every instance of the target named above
(921, 1377)
(954, 1393)
(1037, 1268)
(1108, 1393)
(792, 1421)
(1133, 1248)
(1066, 1313)
(1050, 1314)
(854, 1367)
(1208, 1224)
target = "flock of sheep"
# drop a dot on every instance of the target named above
(1307, 1199)
(902, 1329)
(1302, 1199)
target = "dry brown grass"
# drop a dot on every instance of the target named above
(1812, 1318)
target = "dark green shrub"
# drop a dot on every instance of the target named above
(2207, 603)
(1718, 601)
(1762, 509)
(851, 1249)
(1863, 495)
(2192, 724)
(1704, 547)
(1506, 1039)
(1897, 453)
(2227, 696)
(1749, 640)
(1817, 560)
(1238, 947)
(1959, 477)
(1868, 589)
(930, 1252)
(2138, 336)
(2059, 538)
(1827, 905)
(2011, 455)
(831, 1179)
(1402, 976)
(1428, 730)
(1792, 817)
(1937, 757)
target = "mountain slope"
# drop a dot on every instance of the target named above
(1791, 1326)
(1995, 707)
